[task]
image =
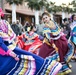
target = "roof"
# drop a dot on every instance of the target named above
(21, 11)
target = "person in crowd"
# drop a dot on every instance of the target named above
(66, 28)
(55, 43)
(40, 28)
(15, 28)
(26, 25)
(28, 63)
(73, 34)
(34, 27)
(20, 26)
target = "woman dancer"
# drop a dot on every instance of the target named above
(55, 44)
(32, 42)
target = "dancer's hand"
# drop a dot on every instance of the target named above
(14, 55)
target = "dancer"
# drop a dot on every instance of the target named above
(32, 42)
(28, 63)
(73, 34)
(55, 44)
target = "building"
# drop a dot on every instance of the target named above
(1, 3)
(23, 13)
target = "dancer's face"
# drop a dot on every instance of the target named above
(46, 19)
(74, 18)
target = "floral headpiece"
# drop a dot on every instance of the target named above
(1, 12)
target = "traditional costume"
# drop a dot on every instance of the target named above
(73, 37)
(73, 32)
(56, 45)
(32, 45)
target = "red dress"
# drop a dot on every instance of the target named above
(30, 45)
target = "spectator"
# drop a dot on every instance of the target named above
(40, 29)
(34, 26)
(26, 25)
(66, 28)
(15, 28)
(20, 26)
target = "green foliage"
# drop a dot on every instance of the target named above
(51, 7)
(33, 5)
(66, 8)
(36, 4)
(74, 5)
(17, 2)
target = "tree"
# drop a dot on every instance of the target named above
(52, 8)
(14, 3)
(74, 6)
(36, 5)
(66, 8)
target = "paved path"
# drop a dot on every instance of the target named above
(73, 68)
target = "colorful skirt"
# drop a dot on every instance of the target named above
(65, 52)
(33, 47)
(29, 64)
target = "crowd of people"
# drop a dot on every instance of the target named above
(44, 49)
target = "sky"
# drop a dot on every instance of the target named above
(58, 2)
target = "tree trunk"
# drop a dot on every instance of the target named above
(63, 15)
(51, 14)
(13, 12)
(36, 17)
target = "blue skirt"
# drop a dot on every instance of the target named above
(29, 64)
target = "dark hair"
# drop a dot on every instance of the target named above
(2, 17)
(31, 27)
(73, 17)
(46, 13)
(65, 19)
(27, 24)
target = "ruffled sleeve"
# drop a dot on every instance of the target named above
(2, 45)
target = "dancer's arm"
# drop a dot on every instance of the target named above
(6, 51)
